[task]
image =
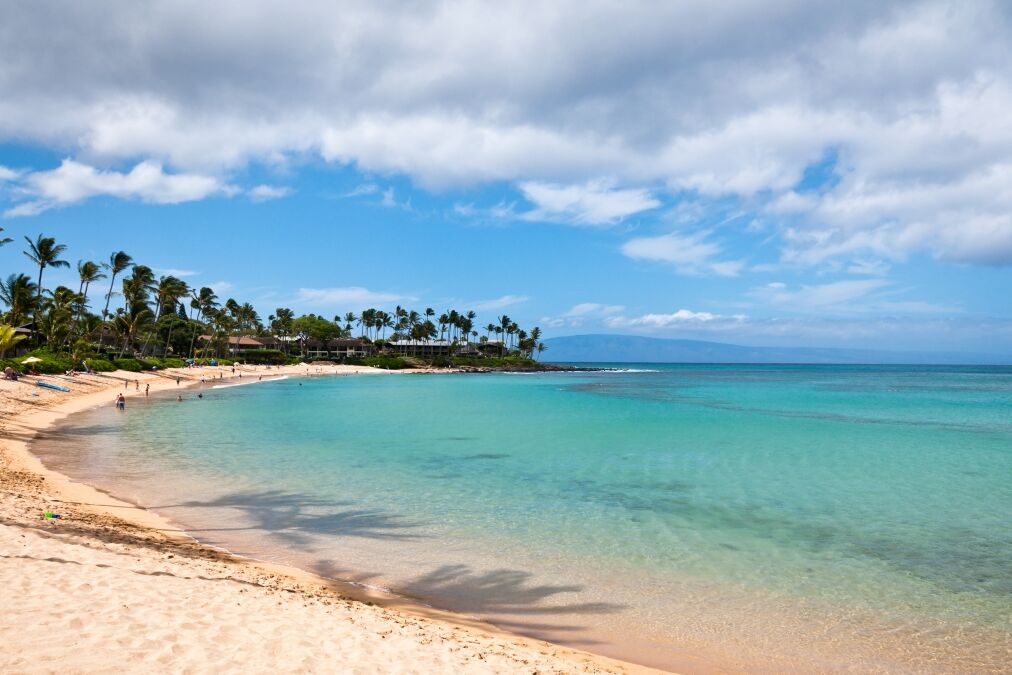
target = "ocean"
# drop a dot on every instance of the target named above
(691, 517)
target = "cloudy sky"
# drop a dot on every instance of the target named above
(807, 173)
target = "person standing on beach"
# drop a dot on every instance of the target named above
(177, 380)
(137, 385)
(120, 402)
(147, 388)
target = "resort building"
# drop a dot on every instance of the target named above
(237, 345)
(343, 348)
(421, 347)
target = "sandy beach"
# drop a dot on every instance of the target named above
(112, 587)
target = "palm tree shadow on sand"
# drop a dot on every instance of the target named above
(508, 598)
(295, 519)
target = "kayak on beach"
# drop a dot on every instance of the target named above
(57, 387)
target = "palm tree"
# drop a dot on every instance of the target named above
(59, 312)
(118, 262)
(18, 292)
(88, 272)
(504, 327)
(8, 338)
(137, 288)
(541, 348)
(129, 323)
(167, 295)
(4, 240)
(45, 252)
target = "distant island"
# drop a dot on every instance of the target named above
(603, 348)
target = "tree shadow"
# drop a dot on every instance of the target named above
(296, 518)
(510, 598)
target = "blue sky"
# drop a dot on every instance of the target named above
(783, 175)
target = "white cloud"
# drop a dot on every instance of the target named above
(875, 268)
(7, 174)
(363, 189)
(582, 313)
(682, 317)
(846, 297)
(498, 303)
(347, 296)
(585, 308)
(689, 253)
(171, 271)
(910, 97)
(262, 193)
(817, 296)
(501, 211)
(73, 182)
(593, 203)
(388, 198)
(220, 286)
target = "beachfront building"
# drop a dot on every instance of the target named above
(424, 348)
(237, 345)
(348, 348)
(336, 349)
(492, 347)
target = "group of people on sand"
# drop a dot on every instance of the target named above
(121, 400)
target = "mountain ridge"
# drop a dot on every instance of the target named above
(614, 348)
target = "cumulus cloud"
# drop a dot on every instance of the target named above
(172, 271)
(682, 317)
(691, 253)
(714, 98)
(347, 296)
(593, 203)
(73, 182)
(262, 193)
(582, 313)
(498, 303)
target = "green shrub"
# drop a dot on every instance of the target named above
(50, 364)
(386, 362)
(101, 365)
(133, 365)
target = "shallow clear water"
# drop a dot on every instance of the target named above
(769, 518)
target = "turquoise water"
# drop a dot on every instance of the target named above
(768, 518)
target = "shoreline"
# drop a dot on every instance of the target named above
(95, 523)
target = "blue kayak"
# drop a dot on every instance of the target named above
(50, 386)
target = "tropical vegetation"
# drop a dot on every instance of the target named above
(147, 319)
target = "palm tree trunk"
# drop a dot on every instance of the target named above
(105, 311)
(192, 340)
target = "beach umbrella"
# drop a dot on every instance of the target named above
(31, 359)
